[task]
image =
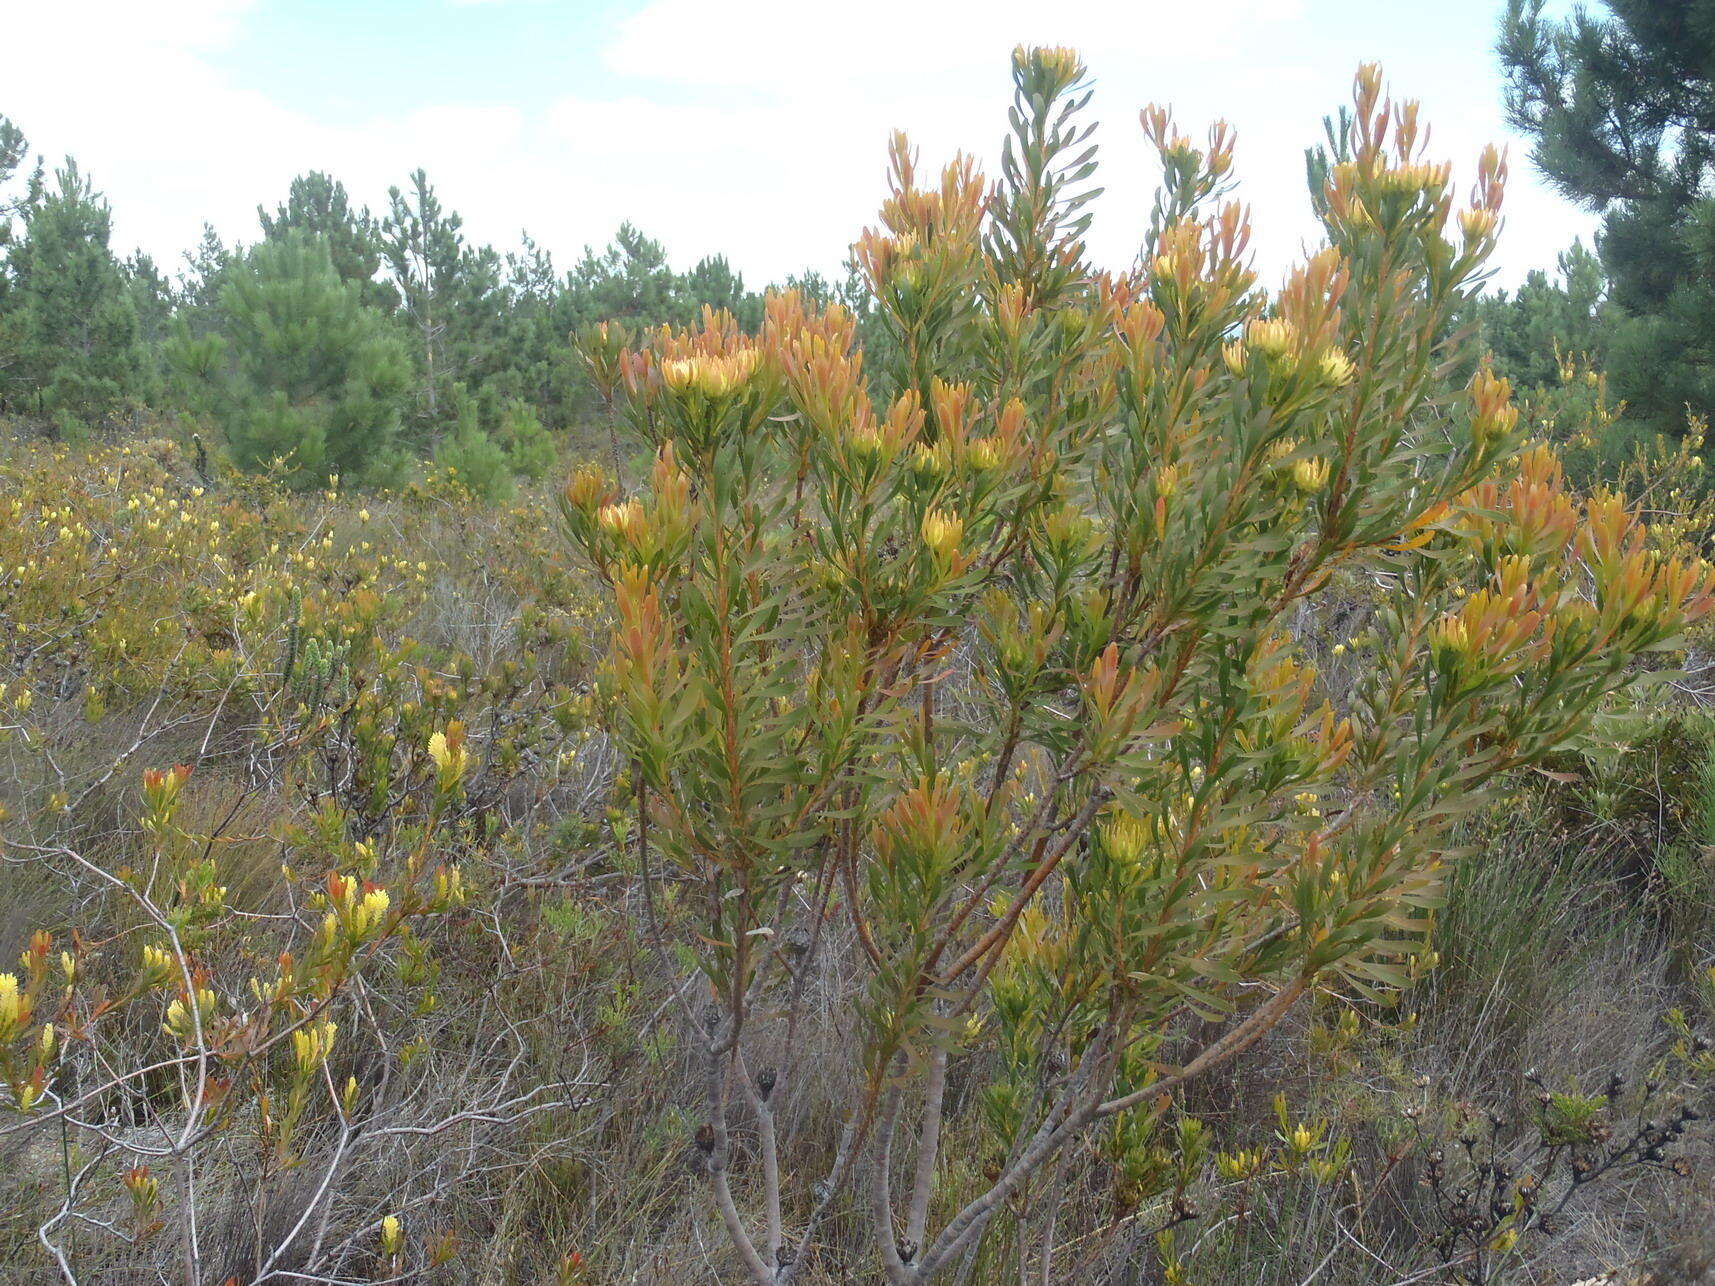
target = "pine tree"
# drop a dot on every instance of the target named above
(152, 298)
(629, 281)
(1622, 107)
(534, 362)
(1546, 321)
(472, 458)
(449, 291)
(300, 369)
(319, 203)
(529, 446)
(204, 272)
(74, 319)
(13, 149)
(713, 284)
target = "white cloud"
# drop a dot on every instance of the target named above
(756, 128)
(887, 45)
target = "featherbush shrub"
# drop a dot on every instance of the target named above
(997, 675)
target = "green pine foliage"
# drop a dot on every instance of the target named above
(318, 203)
(301, 374)
(474, 460)
(450, 296)
(629, 281)
(13, 149)
(1619, 106)
(529, 445)
(484, 334)
(76, 352)
(1531, 331)
(152, 297)
(205, 270)
(535, 363)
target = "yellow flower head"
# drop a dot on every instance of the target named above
(942, 532)
(1272, 337)
(720, 376)
(311, 1045)
(450, 754)
(1125, 837)
(622, 519)
(681, 373)
(1492, 412)
(449, 887)
(178, 1022)
(1059, 62)
(713, 377)
(374, 905)
(929, 461)
(1450, 638)
(1243, 1164)
(14, 1008)
(1031, 936)
(1477, 224)
(985, 454)
(1334, 368)
(587, 487)
(1310, 475)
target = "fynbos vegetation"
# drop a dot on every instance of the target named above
(998, 675)
(1011, 770)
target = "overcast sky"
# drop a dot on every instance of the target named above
(753, 128)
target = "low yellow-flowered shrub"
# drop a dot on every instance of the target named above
(269, 760)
